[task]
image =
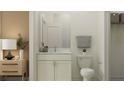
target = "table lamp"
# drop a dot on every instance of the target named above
(9, 44)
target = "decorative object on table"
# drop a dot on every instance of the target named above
(9, 44)
(16, 57)
(41, 47)
(21, 45)
(44, 48)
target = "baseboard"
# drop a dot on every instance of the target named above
(76, 79)
(99, 77)
(117, 78)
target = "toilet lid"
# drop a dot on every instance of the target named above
(87, 70)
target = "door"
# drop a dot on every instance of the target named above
(63, 71)
(45, 71)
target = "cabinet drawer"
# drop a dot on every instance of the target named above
(53, 57)
(9, 68)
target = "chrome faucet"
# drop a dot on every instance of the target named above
(55, 49)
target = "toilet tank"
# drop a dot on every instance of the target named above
(84, 61)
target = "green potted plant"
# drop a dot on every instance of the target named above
(21, 44)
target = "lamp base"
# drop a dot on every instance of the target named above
(9, 56)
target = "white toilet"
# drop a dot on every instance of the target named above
(84, 62)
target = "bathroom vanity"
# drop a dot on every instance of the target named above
(54, 66)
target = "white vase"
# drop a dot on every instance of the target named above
(1, 55)
(21, 54)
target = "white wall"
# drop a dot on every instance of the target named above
(101, 45)
(82, 23)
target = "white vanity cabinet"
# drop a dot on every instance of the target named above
(54, 67)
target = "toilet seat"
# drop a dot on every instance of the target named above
(87, 73)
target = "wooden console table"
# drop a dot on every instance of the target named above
(13, 68)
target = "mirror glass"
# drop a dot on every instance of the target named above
(55, 29)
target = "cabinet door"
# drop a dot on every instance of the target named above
(63, 71)
(45, 71)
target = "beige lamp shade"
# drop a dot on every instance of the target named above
(9, 44)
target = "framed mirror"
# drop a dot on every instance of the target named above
(55, 29)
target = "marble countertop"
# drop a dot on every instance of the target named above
(53, 53)
(57, 52)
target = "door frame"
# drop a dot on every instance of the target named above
(33, 41)
(32, 56)
(107, 45)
